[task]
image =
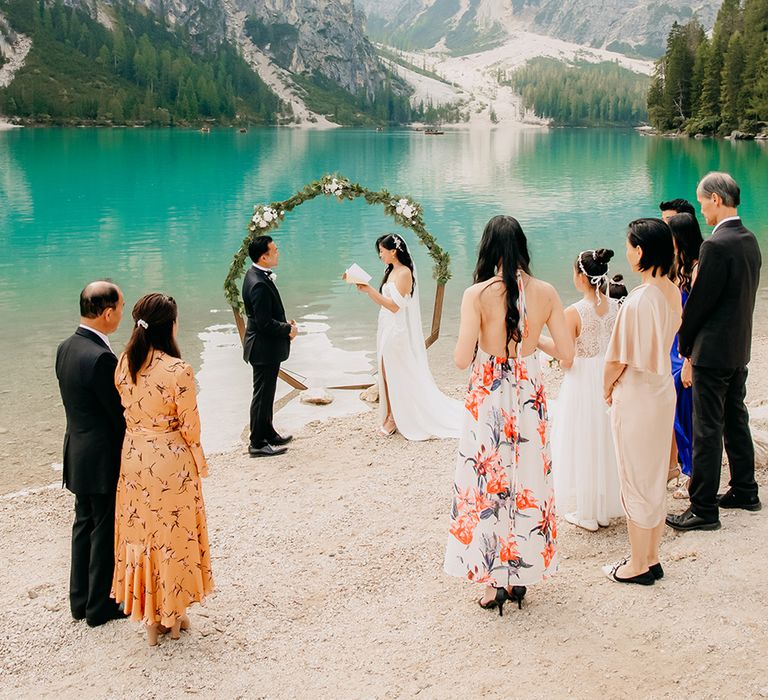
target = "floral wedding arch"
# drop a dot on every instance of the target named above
(404, 210)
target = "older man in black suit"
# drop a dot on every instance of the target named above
(85, 368)
(266, 344)
(716, 333)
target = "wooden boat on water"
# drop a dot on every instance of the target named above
(205, 130)
(433, 131)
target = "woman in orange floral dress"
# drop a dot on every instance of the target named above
(162, 560)
(503, 531)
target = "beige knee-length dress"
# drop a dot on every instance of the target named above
(643, 410)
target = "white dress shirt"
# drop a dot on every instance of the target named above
(270, 274)
(98, 333)
(730, 218)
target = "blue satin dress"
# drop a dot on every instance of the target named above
(684, 408)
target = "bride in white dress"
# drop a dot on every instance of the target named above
(583, 455)
(409, 400)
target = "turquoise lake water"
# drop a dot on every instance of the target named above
(166, 210)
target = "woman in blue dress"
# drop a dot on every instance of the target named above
(687, 238)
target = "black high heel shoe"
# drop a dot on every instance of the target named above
(517, 595)
(498, 602)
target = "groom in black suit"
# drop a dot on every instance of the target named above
(266, 344)
(93, 441)
(716, 333)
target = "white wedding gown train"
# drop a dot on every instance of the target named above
(421, 411)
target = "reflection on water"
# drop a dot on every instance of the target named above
(225, 382)
(166, 210)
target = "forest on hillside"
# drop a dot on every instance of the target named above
(141, 71)
(144, 71)
(714, 85)
(582, 94)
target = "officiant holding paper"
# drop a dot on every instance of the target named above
(410, 401)
(266, 344)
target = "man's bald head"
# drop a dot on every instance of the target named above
(97, 297)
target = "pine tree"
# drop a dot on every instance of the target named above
(728, 21)
(730, 90)
(758, 107)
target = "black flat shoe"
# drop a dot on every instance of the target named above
(644, 579)
(730, 500)
(656, 571)
(690, 521)
(498, 602)
(281, 440)
(266, 451)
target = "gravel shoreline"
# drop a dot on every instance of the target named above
(329, 583)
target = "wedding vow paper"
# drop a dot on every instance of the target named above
(355, 274)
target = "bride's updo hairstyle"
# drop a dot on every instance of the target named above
(504, 245)
(593, 264)
(153, 319)
(391, 241)
(654, 238)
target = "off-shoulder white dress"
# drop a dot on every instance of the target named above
(421, 411)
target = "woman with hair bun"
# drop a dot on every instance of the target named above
(583, 455)
(409, 400)
(638, 386)
(162, 559)
(616, 288)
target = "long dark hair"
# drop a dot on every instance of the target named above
(501, 245)
(391, 241)
(153, 317)
(686, 234)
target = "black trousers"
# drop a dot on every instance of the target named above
(719, 415)
(93, 557)
(262, 403)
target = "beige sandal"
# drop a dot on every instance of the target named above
(681, 493)
(182, 623)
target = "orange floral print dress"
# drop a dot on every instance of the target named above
(162, 560)
(503, 530)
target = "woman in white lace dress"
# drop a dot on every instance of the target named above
(409, 400)
(583, 455)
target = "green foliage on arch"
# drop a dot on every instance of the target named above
(266, 218)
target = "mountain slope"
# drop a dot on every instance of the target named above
(466, 26)
(152, 55)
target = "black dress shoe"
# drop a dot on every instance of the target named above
(281, 440)
(656, 570)
(730, 500)
(690, 521)
(644, 579)
(116, 614)
(266, 451)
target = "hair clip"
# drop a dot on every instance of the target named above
(142, 323)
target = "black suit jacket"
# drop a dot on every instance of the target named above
(85, 368)
(717, 320)
(266, 339)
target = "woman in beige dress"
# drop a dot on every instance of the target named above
(162, 559)
(638, 385)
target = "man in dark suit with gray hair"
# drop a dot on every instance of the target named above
(716, 334)
(85, 368)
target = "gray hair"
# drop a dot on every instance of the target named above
(723, 185)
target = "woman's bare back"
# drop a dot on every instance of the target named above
(492, 297)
